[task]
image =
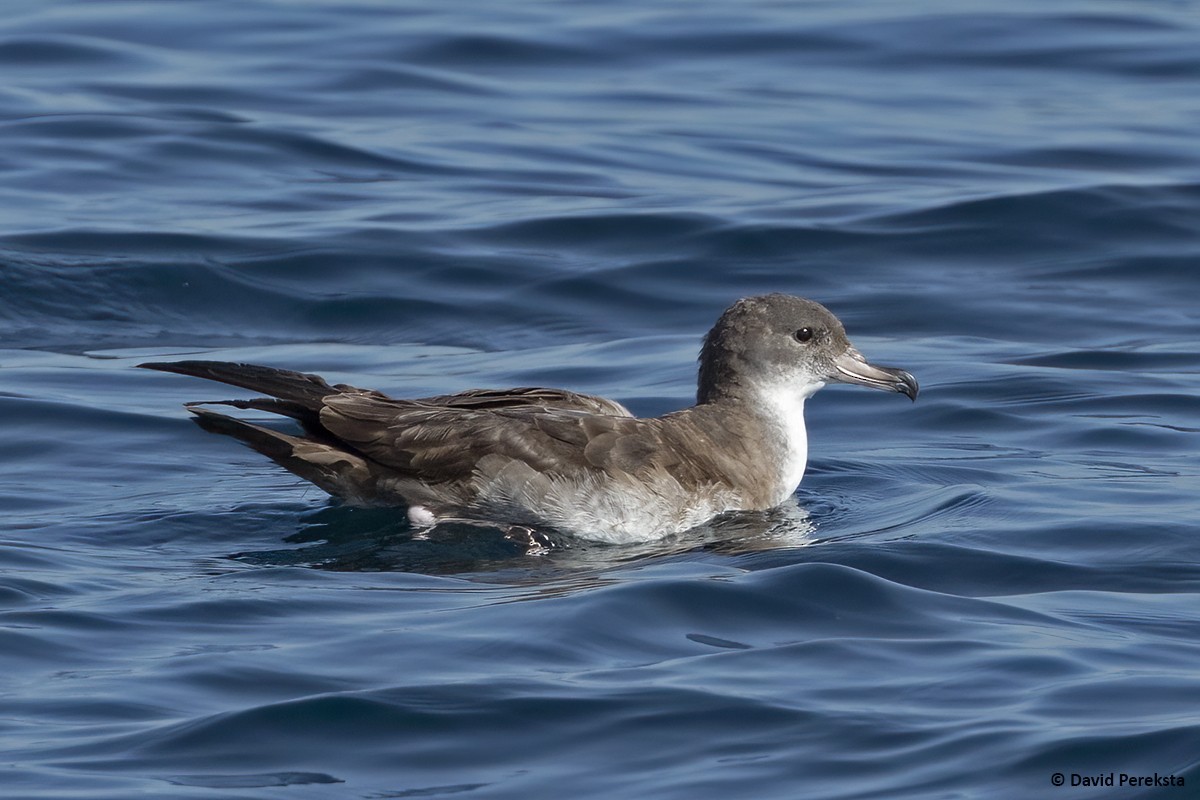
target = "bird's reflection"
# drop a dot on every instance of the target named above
(349, 539)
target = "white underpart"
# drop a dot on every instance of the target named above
(594, 507)
(785, 404)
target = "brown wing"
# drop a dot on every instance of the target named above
(529, 397)
(446, 443)
(366, 446)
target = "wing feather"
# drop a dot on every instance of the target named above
(530, 397)
(445, 443)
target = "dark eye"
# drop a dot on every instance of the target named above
(803, 335)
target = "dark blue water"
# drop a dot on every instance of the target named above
(996, 584)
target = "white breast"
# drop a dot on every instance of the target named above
(784, 407)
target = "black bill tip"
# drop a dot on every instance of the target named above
(907, 385)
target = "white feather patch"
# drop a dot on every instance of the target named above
(784, 404)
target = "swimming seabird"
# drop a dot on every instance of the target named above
(558, 460)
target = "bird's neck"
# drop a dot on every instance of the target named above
(768, 423)
(781, 410)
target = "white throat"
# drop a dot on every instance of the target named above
(784, 406)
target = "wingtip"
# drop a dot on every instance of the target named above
(190, 365)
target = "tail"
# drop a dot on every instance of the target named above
(300, 388)
(333, 468)
(316, 456)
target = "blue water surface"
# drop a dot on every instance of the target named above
(971, 594)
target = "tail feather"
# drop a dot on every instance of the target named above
(299, 388)
(316, 456)
(305, 416)
(337, 471)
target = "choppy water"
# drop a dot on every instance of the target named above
(974, 592)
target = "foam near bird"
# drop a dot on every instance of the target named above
(555, 459)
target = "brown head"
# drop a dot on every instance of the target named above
(776, 341)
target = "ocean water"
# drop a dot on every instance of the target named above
(970, 595)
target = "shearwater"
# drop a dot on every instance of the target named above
(557, 460)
